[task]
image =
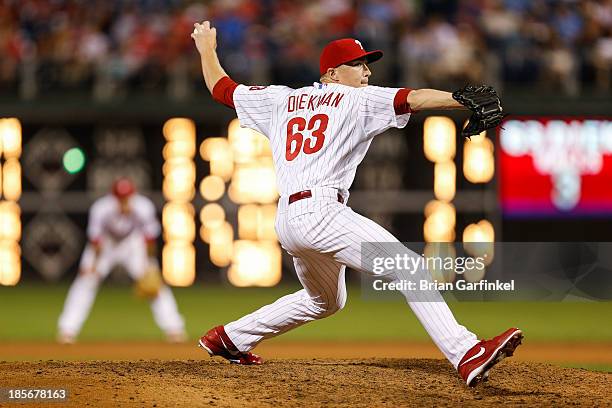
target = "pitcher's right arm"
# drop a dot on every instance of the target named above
(205, 38)
(219, 84)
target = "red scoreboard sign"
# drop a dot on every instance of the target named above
(555, 166)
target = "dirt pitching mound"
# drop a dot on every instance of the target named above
(317, 382)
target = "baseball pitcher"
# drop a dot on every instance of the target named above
(122, 230)
(319, 134)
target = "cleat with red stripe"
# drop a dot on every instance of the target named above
(217, 343)
(475, 365)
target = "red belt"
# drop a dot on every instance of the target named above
(300, 195)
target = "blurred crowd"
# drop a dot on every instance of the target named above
(114, 47)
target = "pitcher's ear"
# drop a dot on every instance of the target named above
(333, 74)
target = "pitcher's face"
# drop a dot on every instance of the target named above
(353, 73)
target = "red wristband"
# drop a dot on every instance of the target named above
(223, 91)
(400, 102)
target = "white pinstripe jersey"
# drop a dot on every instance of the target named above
(319, 134)
(107, 221)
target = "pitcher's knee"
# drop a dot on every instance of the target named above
(328, 308)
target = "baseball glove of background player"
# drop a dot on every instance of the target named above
(150, 283)
(485, 105)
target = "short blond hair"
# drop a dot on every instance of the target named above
(325, 78)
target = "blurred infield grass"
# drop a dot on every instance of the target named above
(605, 368)
(30, 312)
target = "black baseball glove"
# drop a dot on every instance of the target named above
(485, 105)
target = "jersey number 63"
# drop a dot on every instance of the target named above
(295, 140)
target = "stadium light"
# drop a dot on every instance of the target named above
(11, 180)
(244, 159)
(179, 129)
(255, 263)
(439, 146)
(478, 240)
(256, 222)
(178, 186)
(439, 223)
(177, 220)
(481, 232)
(10, 138)
(435, 206)
(221, 241)
(247, 144)
(445, 180)
(10, 192)
(179, 148)
(218, 152)
(478, 161)
(247, 221)
(10, 221)
(265, 226)
(212, 215)
(10, 263)
(212, 188)
(254, 182)
(439, 139)
(178, 263)
(220, 233)
(215, 148)
(179, 179)
(244, 142)
(223, 168)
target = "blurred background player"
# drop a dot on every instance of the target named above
(122, 230)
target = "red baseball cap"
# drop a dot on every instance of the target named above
(123, 187)
(341, 51)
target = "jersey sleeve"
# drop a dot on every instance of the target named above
(148, 217)
(95, 224)
(377, 110)
(255, 105)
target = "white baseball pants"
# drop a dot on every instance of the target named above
(324, 236)
(132, 255)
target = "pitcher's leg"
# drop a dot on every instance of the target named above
(324, 293)
(453, 339)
